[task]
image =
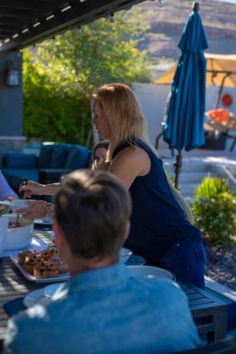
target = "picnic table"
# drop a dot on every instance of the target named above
(209, 312)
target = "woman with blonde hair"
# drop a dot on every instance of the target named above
(160, 230)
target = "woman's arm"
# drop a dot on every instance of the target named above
(34, 188)
(129, 164)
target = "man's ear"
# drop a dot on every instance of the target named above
(127, 229)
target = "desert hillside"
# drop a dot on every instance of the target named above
(219, 19)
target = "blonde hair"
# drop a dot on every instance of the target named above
(127, 123)
(123, 113)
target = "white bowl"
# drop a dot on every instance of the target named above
(125, 253)
(149, 272)
(19, 237)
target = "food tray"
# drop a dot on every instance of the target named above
(60, 277)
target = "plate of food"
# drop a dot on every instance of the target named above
(41, 267)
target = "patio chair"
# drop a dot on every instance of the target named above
(54, 161)
(221, 121)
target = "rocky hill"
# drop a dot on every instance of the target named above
(167, 23)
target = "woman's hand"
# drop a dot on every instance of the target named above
(31, 188)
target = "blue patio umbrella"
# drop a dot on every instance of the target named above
(184, 126)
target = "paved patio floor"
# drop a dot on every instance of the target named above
(199, 163)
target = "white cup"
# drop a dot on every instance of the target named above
(3, 232)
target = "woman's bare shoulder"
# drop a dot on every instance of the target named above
(130, 163)
(131, 153)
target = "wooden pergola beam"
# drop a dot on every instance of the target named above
(29, 21)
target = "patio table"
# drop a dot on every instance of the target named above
(209, 312)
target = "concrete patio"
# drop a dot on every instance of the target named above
(199, 163)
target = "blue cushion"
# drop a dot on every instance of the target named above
(59, 156)
(31, 174)
(15, 160)
(78, 157)
(45, 156)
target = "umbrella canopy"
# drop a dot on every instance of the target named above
(185, 113)
(218, 66)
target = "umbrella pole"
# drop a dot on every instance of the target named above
(178, 165)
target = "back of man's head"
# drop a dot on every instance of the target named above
(93, 209)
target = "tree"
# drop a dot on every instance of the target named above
(59, 78)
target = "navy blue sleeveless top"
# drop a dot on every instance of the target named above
(157, 220)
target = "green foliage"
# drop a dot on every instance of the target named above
(3, 209)
(214, 210)
(212, 186)
(61, 74)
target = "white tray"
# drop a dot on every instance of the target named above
(60, 277)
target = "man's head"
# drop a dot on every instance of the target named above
(92, 211)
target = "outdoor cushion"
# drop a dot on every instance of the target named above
(78, 157)
(45, 156)
(59, 155)
(14, 177)
(54, 160)
(15, 160)
(31, 173)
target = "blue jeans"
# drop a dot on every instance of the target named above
(186, 259)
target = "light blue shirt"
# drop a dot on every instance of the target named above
(106, 311)
(5, 189)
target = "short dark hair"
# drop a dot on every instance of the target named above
(93, 208)
(101, 144)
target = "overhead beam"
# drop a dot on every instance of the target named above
(78, 13)
(29, 4)
(11, 21)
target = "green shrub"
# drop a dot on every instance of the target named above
(60, 74)
(214, 210)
